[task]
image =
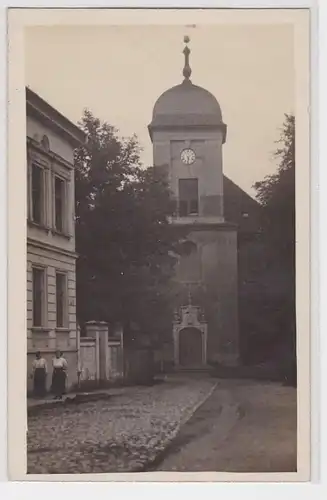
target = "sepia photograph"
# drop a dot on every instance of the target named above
(163, 242)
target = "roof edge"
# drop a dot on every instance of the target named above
(222, 126)
(38, 107)
(187, 85)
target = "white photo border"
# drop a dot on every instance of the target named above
(318, 178)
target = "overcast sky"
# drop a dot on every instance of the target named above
(118, 72)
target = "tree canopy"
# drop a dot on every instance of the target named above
(125, 247)
(276, 193)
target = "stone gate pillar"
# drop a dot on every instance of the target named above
(100, 330)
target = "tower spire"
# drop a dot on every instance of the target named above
(187, 69)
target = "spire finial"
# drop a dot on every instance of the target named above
(187, 69)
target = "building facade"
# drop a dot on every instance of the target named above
(188, 134)
(51, 257)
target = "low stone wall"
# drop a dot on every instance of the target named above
(115, 360)
(100, 360)
(89, 359)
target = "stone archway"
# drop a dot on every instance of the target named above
(190, 347)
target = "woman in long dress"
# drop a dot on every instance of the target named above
(39, 375)
(60, 366)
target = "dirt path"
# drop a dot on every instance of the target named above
(242, 427)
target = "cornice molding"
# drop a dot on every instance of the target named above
(53, 248)
(54, 157)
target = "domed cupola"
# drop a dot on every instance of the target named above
(187, 105)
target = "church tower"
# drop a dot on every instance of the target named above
(188, 133)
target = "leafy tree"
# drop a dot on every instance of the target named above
(123, 236)
(276, 193)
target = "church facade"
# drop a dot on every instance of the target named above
(188, 133)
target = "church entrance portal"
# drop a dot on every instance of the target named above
(190, 347)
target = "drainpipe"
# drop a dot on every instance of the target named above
(120, 330)
(78, 345)
(122, 349)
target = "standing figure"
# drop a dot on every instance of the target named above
(59, 375)
(39, 368)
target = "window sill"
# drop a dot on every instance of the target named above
(38, 225)
(48, 229)
(198, 283)
(184, 216)
(40, 329)
(61, 233)
(62, 329)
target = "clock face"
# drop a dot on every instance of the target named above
(188, 156)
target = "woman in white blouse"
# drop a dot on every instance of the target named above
(60, 366)
(39, 368)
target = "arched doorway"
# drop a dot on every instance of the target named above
(190, 347)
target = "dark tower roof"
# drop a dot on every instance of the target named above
(187, 105)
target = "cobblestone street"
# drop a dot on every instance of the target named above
(121, 434)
